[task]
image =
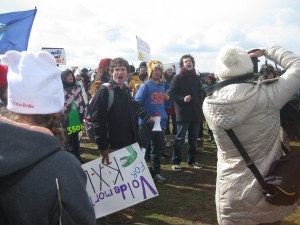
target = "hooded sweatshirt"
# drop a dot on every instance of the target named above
(30, 163)
(252, 111)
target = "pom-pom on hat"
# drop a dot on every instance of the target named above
(233, 61)
(34, 83)
(153, 64)
(3, 75)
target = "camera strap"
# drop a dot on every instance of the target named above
(240, 79)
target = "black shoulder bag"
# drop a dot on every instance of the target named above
(281, 185)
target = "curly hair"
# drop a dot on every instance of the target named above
(184, 57)
(50, 121)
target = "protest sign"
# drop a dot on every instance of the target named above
(143, 50)
(123, 182)
(73, 109)
(58, 53)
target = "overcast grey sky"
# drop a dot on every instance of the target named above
(94, 29)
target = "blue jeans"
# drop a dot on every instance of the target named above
(157, 140)
(192, 128)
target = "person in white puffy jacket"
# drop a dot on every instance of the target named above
(253, 112)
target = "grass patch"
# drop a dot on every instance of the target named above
(188, 197)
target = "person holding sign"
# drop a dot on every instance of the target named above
(74, 110)
(39, 183)
(116, 127)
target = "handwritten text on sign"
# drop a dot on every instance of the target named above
(123, 182)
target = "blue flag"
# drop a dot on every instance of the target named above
(15, 28)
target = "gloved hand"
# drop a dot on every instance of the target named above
(104, 154)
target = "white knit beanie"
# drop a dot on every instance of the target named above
(169, 66)
(233, 61)
(34, 83)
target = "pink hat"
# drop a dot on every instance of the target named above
(103, 63)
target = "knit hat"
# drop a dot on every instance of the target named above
(153, 64)
(168, 67)
(233, 61)
(144, 64)
(34, 83)
(103, 63)
(3, 75)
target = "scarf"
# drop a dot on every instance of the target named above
(189, 75)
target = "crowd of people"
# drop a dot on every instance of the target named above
(116, 106)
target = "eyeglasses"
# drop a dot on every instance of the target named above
(120, 69)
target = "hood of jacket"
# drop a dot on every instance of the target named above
(17, 154)
(231, 105)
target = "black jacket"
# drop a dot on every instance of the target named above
(117, 127)
(179, 88)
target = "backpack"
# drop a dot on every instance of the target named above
(89, 128)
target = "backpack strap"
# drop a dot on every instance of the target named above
(110, 95)
(240, 79)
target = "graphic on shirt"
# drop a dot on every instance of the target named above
(157, 98)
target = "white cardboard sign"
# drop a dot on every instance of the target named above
(123, 182)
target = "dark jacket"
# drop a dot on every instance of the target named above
(30, 196)
(179, 88)
(117, 127)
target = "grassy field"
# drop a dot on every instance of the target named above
(187, 198)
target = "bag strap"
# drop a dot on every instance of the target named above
(240, 79)
(110, 95)
(249, 163)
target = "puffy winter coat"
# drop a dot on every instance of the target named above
(252, 111)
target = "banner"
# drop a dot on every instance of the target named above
(73, 109)
(15, 30)
(143, 50)
(124, 182)
(58, 53)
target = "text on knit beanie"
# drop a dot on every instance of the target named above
(34, 83)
